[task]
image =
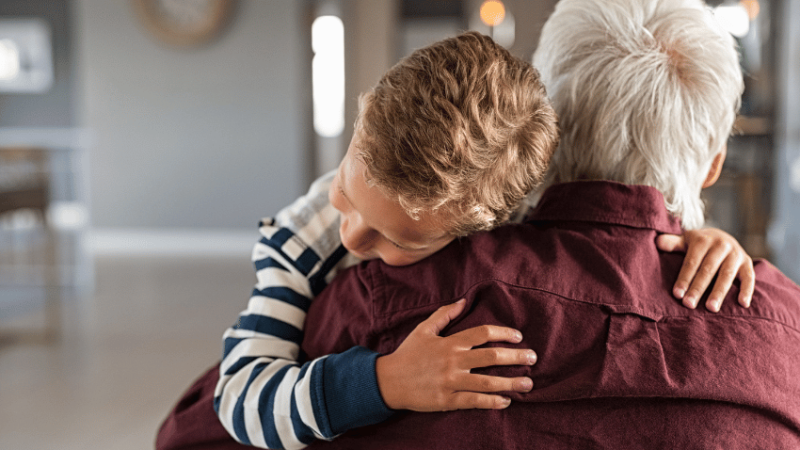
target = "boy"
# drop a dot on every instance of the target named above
(448, 143)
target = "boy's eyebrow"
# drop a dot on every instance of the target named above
(341, 191)
(341, 185)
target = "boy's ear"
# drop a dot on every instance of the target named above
(716, 167)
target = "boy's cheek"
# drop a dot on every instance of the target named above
(400, 258)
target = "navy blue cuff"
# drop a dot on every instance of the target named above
(351, 390)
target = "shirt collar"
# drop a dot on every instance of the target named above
(607, 202)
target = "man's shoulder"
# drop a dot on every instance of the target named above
(772, 275)
(776, 296)
(486, 256)
(769, 274)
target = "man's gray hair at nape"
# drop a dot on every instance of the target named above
(646, 92)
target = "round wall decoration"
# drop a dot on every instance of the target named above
(185, 23)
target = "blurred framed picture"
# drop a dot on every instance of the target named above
(26, 57)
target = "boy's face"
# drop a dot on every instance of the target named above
(375, 226)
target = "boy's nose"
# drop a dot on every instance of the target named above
(355, 235)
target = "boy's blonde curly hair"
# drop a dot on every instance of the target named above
(460, 127)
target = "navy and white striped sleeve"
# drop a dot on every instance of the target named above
(264, 397)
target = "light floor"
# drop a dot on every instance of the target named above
(125, 356)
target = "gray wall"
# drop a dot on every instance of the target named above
(210, 137)
(785, 230)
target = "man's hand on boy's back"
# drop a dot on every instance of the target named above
(429, 372)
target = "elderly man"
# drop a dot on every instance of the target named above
(646, 92)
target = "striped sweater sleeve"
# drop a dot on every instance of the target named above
(265, 397)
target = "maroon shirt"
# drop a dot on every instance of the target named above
(622, 364)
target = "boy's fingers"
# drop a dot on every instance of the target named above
(498, 356)
(488, 384)
(475, 400)
(671, 243)
(689, 271)
(747, 279)
(480, 335)
(441, 317)
(727, 274)
(702, 278)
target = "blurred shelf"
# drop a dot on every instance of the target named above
(51, 138)
(752, 126)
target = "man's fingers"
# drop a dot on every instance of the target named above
(498, 356)
(727, 274)
(480, 335)
(671, 243)
(441, 317)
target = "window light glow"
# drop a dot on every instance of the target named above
(794, 175)
(9, 60)
(733, 18)
(327, 75)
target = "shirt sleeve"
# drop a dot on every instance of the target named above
(265, 397)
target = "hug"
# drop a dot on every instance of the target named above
(494, 264)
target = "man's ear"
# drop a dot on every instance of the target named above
(716, 167)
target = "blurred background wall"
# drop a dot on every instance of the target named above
(784, 232)
(156, 143)
(207, 137)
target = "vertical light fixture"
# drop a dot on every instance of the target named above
(327, 75)
(9, 59)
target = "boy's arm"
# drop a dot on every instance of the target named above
(264, 397)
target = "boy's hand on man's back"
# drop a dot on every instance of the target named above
(429, 372)
(710, 252)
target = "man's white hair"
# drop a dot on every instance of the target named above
(646, 92)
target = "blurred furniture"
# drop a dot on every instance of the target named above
(740, 202)
(743, 202)
(28, 248)
(23, 179)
